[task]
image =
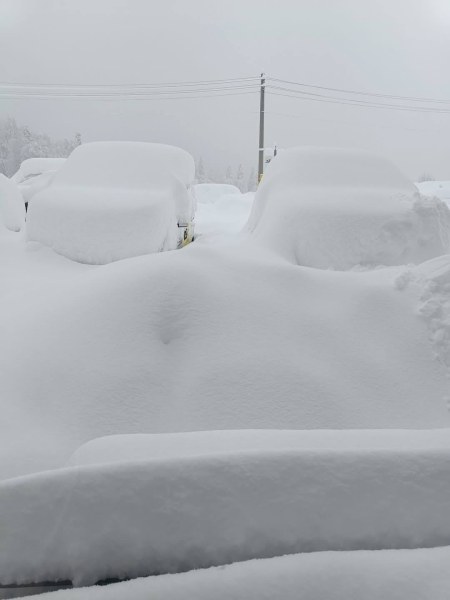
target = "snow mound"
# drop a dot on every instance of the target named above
(35, 174)
(338, 208)
(433, 279)
(12, 212)
(383, 574)
(226, 216)
(32, 167)
(136, 447)
(114, 200)
(171, 515)
(209, 193)
(438, 189)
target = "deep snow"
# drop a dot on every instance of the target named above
(92, 522)
(379, 575)
(341, 208)
(115, 200)
(229, 333)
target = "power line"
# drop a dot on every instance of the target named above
(128, 86)
(13, 96)
(362, 93)
(352, 102)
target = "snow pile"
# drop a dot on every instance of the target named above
(137, 447)
(12, 212)
(211, 337)
(32, 167)
(168, 515)
(35, 174)
(378, 575)
(113, 200)
(208, 193)
(433, 280)
(337, 208)
(438, 189)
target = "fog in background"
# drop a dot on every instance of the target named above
(392, 47)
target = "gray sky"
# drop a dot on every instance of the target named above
(396, 47)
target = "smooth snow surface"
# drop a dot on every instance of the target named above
(208, 193)
(339, 208)
(208, 337)
(380, 575)
(32, 167)
(170, 515)
(114, 200)
(12, 211)
(132, 448)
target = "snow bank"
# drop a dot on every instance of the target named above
(387, 574)
(438, 189)
(114, 200)
(432, 278)
(337, 208)
(208, 193)
(213, 337)
(126, 520)
(12, 212)
(131, 448)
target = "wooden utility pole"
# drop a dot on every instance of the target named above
(261, 128)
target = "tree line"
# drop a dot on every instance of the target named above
(19, 142)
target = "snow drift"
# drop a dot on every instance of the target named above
(338, 208)
(113, 200)
(167, 515)
(12, 212)
(382, 574)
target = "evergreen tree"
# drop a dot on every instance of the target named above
(229, 176)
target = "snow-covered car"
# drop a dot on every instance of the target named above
(208, 193)
(35, 174)
(335, 208)
(114, 200)
(438, 189)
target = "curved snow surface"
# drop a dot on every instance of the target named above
(210, 338)
(338, 208)
(152, 516)
(114, 200)
(209, 193)
(377, 575)
(32, 167)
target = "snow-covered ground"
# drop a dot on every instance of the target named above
(234, 333)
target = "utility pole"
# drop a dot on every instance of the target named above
(261, 128)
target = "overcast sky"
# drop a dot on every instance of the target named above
(399, 47)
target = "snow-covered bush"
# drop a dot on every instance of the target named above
(339, 208)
